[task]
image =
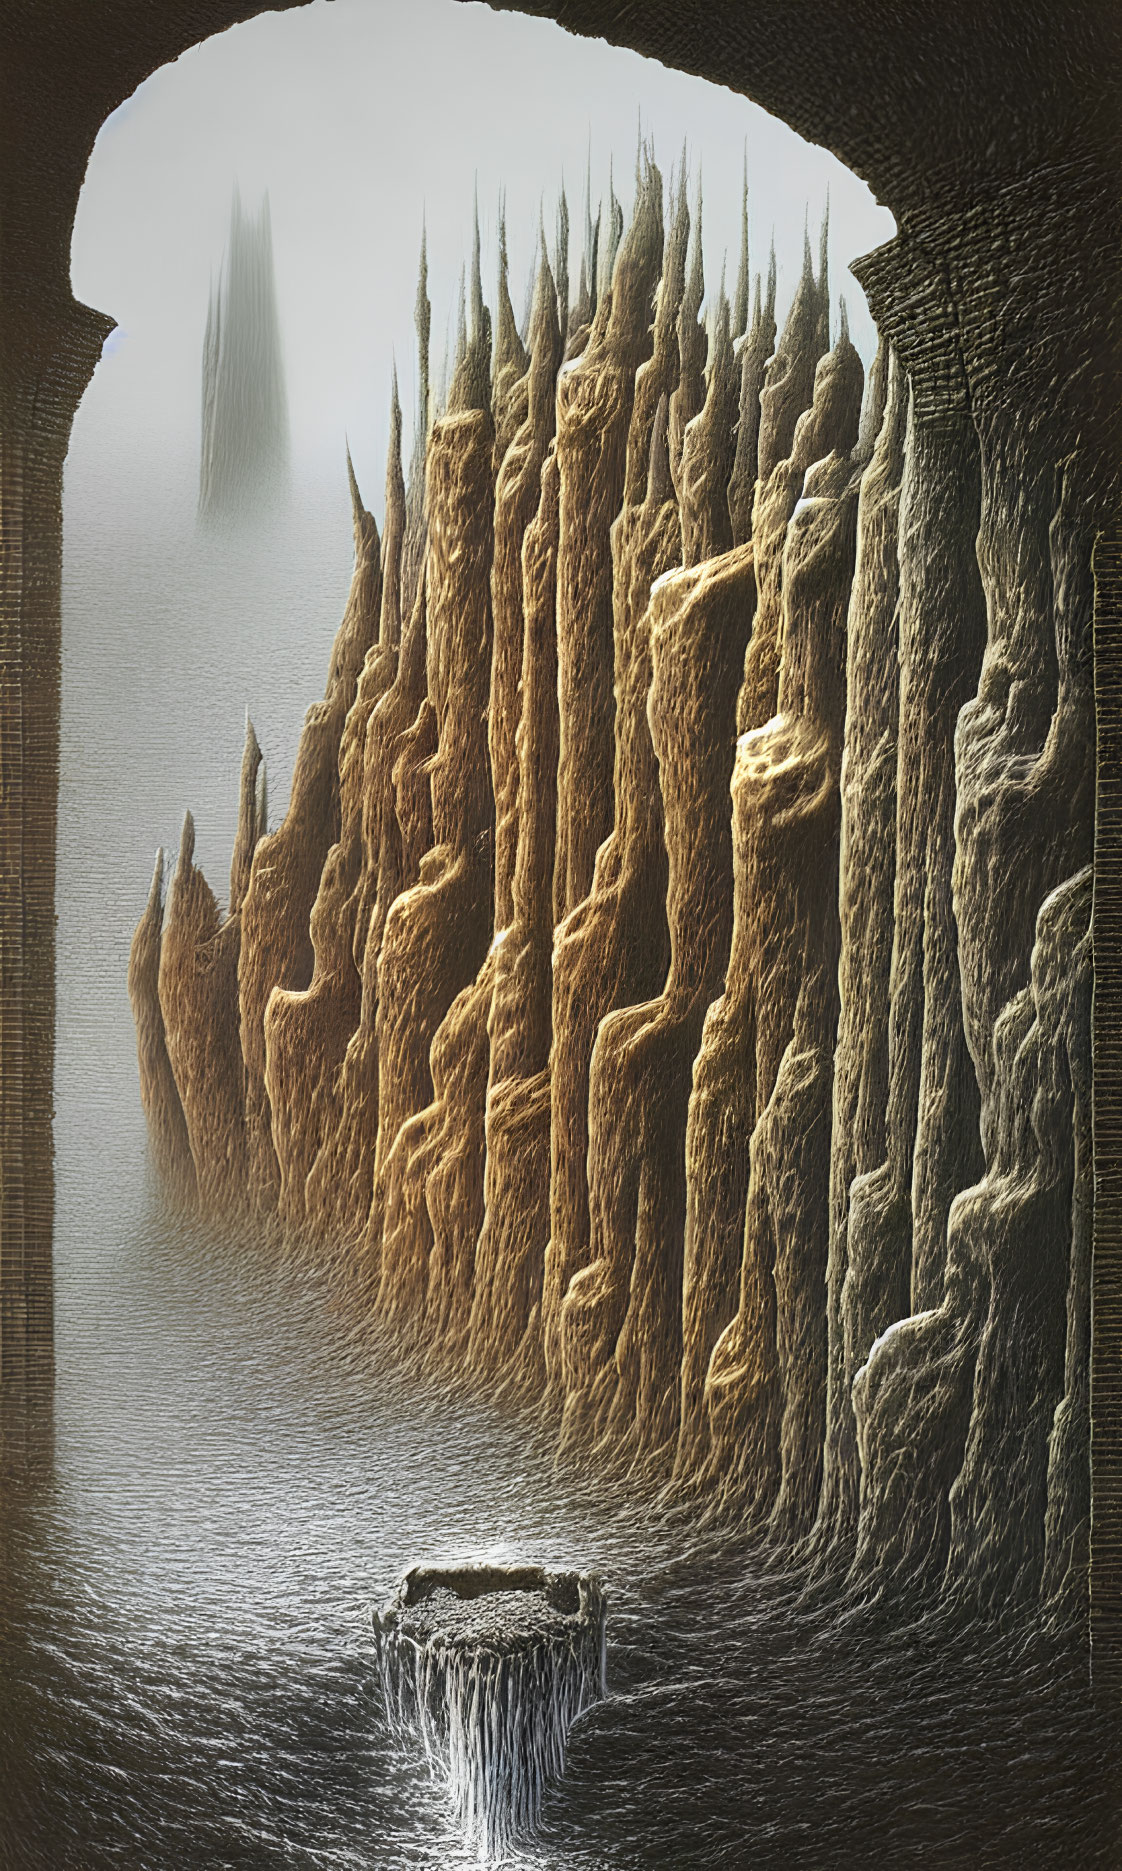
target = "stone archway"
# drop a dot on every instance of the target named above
(994, 142)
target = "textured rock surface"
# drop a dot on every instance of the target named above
(594, 401)
(511, 1252)
(163, 1108)
(614, 947)
(276, 947)
(621, 1317)
(623, 998)
(307, 1032)
(437, 934)
(867, 871)
(766, 1381)
(198, 995)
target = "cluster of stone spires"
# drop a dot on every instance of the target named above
(601, 1002)
(243, 461)
(747, 319)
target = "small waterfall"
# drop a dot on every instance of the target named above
(491, 1665)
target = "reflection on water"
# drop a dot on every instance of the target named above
(188, 1680)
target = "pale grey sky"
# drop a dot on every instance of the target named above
(359, 116)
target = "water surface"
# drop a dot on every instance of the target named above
(188, 1675)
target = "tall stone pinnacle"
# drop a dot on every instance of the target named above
(244, 461)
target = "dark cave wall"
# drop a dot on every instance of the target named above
(998, 297)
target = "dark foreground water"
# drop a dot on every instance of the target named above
(187, 1676)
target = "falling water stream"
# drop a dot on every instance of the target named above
(189, 1677)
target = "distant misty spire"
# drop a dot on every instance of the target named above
(244, 459)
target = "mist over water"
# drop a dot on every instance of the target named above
(189, 1679)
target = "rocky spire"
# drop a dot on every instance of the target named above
(244, 453)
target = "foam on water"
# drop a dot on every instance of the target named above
(492, 1666)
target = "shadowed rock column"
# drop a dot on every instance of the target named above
(766, 1384)
(456, 1120)
(198, 988)
(867, 875)
(657, 376)
(612, 947)
(957, 1405)
(396, 830)
(788, 390)
(688, 394)
(184, 997)
(163, 1109)
(510, 365)
(723, 1105)
(896, 1208)
(615, 946)
(622, 1313)
(276, 947)
(437, 933)
(941, 624)
(594, 401)
(1025, 769)
(708, 453)
(753, 352)
(517, 492)
(307, 1033)
(510, 1257)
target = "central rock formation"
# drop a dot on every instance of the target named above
(668, 991)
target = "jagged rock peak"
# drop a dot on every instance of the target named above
(689, 393)
(615, 220)
(590, 263)
(154, 908)
(422, 319)
(709, 449)
(510, 353)
(393, 452)
(413, 548)
(695, 284)
(823, 281)
(561, 261)
(545, 338)
(637, 268)
(743, 277)
(393, 538)
(721, 356)
(832, 422)
(789, 381)
(471, 379)
(363, 524)
(186, 848)
(249, 826)
(672, 284)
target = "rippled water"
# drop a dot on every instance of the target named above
(188, 1678)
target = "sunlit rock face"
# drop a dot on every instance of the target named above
(668, 992)
(491, 1665)
(243, 464)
